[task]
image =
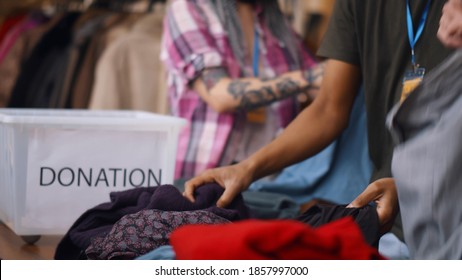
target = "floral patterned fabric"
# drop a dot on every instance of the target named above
(137, 234)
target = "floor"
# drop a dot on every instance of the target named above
(13, 247)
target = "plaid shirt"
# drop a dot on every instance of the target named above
(193, 40)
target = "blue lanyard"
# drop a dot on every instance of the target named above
(256, 54)
(410, 28)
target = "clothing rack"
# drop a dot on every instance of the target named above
(60, 55)
(9, 6)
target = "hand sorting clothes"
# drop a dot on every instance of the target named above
(138, 221)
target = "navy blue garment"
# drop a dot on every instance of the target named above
(98, 221)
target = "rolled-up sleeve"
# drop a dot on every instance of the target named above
(188, 45)
(340, 41)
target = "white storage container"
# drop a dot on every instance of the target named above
(56, 164)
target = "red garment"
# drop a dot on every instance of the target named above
(276, 239)
(14, 33)
(9, 23)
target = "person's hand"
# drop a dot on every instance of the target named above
(383, 193)
(450, 30)
(234, 179)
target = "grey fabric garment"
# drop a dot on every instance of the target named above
(266, 205)
(427, 163)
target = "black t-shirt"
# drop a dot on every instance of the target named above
(373, 35)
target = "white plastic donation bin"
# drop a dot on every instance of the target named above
(56, 164)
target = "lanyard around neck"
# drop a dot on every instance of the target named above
(410, 28)
(256, 54)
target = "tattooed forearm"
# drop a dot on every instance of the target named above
(267, 94)
(212, 76)
(288, 87)
(257, 98)
(237, 89)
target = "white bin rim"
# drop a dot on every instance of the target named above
(87, 117)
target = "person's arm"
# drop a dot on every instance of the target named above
(313, 129)
(224, 94)
(450, 30)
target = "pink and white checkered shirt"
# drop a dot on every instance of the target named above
(194, 39)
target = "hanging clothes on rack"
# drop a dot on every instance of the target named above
(43, 73)
(83, 31)
(116, 26)
(25, 38)
(60, 70)
(129, 74)
(10, 22)
(31, 21)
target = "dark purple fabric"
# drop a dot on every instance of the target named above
(98, 221)
(137, 234)
(366, 218)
